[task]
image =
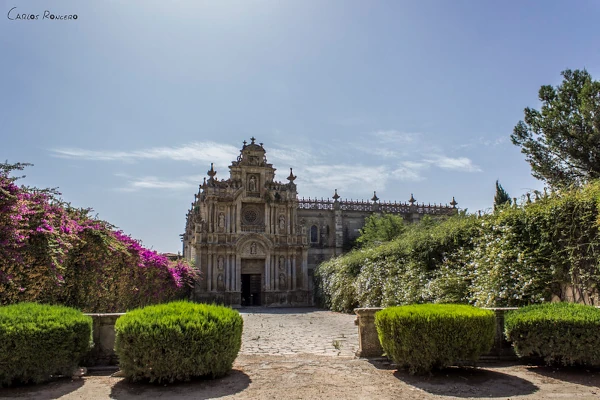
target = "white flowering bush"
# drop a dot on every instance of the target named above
(516, 256)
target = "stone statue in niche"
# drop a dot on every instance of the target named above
(220, 282)
(253, 248)
(252, 184)
(221, 220)
(282, 263)
(282, 282)
(281, 222)
(220, 263)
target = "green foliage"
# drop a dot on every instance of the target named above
(519, 255)
(528, 254)
(502, 197)
(426, 336)
(53, 253)
(562, 140)
(403, 271)
(37, 341)
(561, 333)
(178, 341)
(380, 229)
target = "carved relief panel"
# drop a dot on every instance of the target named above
(253, 249)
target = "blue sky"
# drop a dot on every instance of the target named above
(124, 108)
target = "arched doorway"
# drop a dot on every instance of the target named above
(251, 279)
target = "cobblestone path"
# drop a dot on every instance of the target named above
(285, 331)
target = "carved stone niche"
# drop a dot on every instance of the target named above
(253, 249)
(281, 224)
(253, 182)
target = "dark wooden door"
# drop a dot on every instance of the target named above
(251, 289)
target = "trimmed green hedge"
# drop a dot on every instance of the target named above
(37, 341)
(561, 333)
(178, 341)
(426, 336)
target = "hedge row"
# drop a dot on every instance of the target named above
(518, 255)
(38, 341)
(178, 341)
(561, 333)
(427, 336)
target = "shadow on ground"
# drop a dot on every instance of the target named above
(585, 376)
(45, 391)
(464, 382)
(235, 382)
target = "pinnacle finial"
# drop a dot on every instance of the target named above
(252, 139)
(211, 172)
(412, 199)
(336, 196)
(374, 198)
(291, 177)
(453, 203)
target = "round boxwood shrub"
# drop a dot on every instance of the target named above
(178, 341)
(561, 333)
(38, 341)
(422, 337)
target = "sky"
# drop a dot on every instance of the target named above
(125, 107)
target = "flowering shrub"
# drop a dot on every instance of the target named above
(52, 252)
(403, 271)
(516, 256)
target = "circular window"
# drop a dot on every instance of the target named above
(251, 216)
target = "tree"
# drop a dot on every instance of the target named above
(562, 140)
(501, 197)
(380, 228)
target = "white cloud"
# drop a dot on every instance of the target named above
(152, 182)
(206, 152)
(290, 156)
(493, 142)
(458, 164)
(395, 137)
(349, 178)
(315, 173)
(410, 171)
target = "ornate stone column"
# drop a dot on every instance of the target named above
(267, 277)
(289, 272)
(305, 269)
(227, 273)
(294, 281)
(238, 273)
(209, 272)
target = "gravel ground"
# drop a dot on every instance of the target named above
(309, 376)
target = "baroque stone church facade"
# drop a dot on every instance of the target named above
(256, 243)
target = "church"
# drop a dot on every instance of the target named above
(257, 244)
